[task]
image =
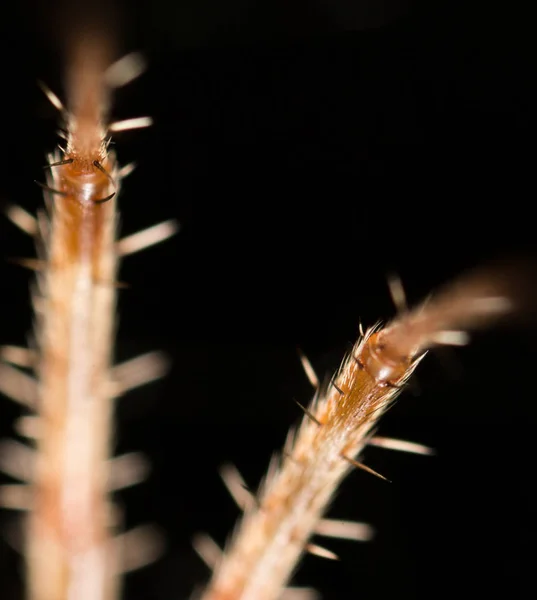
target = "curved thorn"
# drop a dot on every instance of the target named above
(103, 200)
(49, 189)
(59, 163)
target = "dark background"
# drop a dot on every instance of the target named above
(308, 148)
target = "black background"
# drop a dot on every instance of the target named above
(307, 149)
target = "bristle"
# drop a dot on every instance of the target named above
(125, 70)
(51, 96)
(22, 219)
(138, 371)
(16, 497)
(309, 414)
(363, 467)
(401, 445)
(451, 338)
(236, 486)
(32, 264)
(128, 124)
(17, 460)
(492, 305)
(59, 163)
(104, 198)
(43, 237)
(38, 303)
(208, 550)
(139, 547)
(147, 237)
(18, 386)
(397, 292)
(337, 388)
(308, 369)
(28, 427)
(51, 190)
(126, 170)
(321, 552)
(21, 357)
(127, 470)
(348, 530)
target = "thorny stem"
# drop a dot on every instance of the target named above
(72, 551)
(337, 426)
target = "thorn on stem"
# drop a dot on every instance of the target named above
(309, 414)
(363, 467)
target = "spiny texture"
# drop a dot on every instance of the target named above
(338, 425)
(72, 551)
